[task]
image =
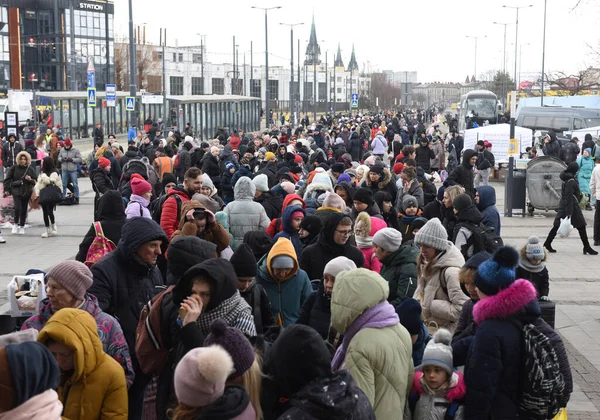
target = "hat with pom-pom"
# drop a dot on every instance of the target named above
(439, 352)
(498, 273)
(201, 375)
(534, 250)
(235, 343)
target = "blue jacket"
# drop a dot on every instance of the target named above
(487, 207)
(586, 166)
(131, 134)
(287, 230)
(419, 347)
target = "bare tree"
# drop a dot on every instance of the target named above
(574, 84)
(146, 60)
(121, 64)
(384, 90)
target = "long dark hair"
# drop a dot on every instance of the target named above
(48, 166)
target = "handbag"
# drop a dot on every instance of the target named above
(50, 195)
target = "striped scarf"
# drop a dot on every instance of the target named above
(235, 311)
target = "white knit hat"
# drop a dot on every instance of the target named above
(338, 265)
(262, 182)
(438, 352)
(388, 238)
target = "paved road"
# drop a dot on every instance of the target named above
(574, 281)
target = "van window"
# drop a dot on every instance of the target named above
(577, 124)
(592, 122)
(528, 121)
(558, 124)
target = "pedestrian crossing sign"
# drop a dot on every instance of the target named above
(91, 97)
(130, 103)
(354, 100)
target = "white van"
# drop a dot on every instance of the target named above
(19, 101)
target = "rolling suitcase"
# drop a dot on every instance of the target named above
(548, 309)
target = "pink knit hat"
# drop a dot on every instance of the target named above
(200, 376)
(139, 186)
(73, 276)
(288, 187)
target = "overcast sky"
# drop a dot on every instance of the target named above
(429, 37)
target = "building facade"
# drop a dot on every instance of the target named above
(426, 94)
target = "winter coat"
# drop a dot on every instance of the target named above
(379, 359)
(418, 348)
(96, 388)
(595, 182)
(213, 232)
(463, 236)
(379, 145)
(316, 313)
(10, 150)
(485, 160)
(553, 147)
(257, 298)
(315, 257)
(399, 269)
(431, 405)
(138, 207)
(131, 134)
(570, 151)
(493, 369)
(101, 182)
(423, 157)
(442, 298)
(234, 404)
(109, 331)
(586, 166)
(17, 174)
(245, 214)
(288, 231)
(438, 151)
(463, 175)
(540, 279)
(271, 202)
(210, 166)
(385, 183)
(129, 155)
(72, 153)
(270, 170)
(415, 190)
(123, 283)
(170, 214)
(276, 225)
(487, 207)
(227, 187)
(569, 202)
(44, 180)
(286, 296)
(243, 171)
(111, 215)
(355, 147)
(335, 397)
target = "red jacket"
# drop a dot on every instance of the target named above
(235, 143)
(272, 229)
(169, 217)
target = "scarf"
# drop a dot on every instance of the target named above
(234, 311)
(42, 406)
(379, 316)
(526, 265)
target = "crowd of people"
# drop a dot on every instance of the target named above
(306, 272)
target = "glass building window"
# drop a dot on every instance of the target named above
(197, 58)
(322, 94)
(174, 57)
(176, 85)
(197, 86)
(180, 57)
(218, 86)
(255, 88)
(274, 90)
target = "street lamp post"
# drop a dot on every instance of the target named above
(132, 72)
(475, 38)
(504, 87)
(292, 99)
(543, 54)
(267, 90)
(516, 35)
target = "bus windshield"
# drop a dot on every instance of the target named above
(481, 108)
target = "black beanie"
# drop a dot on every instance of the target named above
(462, 202)
(409, 312)
(312, 224)
(244, 261)
(260, 242)
(338, 167)
(185, 252)
(364, 195)
(168, 178)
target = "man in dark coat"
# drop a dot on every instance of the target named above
(271, 202)
(211, 167)
(552, 146)
(333, 242)
(124, 281)
(10, 150)
(270, 170)
(485, 163)
(463, 175)
(101, 181)
(570, 151)
(424, 154)
(355, 147)
(588, 142)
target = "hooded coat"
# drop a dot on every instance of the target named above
(438, 289)
(493, 368)
(432, 405)
(399, 269)
(487, 207)
(96, 387)
(288, 231)
(109, 331)
(10, 150)
(584, 175)
(315, 257)
(463, 175)
(462, 234)
(244, 213)
(355, 147)
(111, 215)
(379, 144)
(210, 166)
(17, 174)
(423, 156)
(385, 183)
(568, 206)
(379, 359)
(553, 147)
(316, 313)
(276, 225)
(123, 283)
(213, 232)
(271, 202)
(287, 296)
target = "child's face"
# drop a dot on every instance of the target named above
(387, 206)
(296, 222)
(303, 233)
(535, 262)
(434, 376)
(232, 170)
(360, 206)
(412, 211)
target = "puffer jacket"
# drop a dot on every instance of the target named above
(569, 202)
(379, 144)
(138, 207)
(423, 156)
(245, 214)
(96, 387)
(213, 232)
(287, 296)
(316, 313)
(570, 151)
(44, 180)
(399, 269)
(463, 175)
(288, 231)
(493, 368)
(123, 283)
(379, 359)
(431, 405)
(586, 166)
(438, 151)
(18, 173)
(10, 150)
(271, 202)
(169, 216)
(109, 331)
(442, 299)
(487, 207)
(72, 153)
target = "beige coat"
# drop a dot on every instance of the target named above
(442, 299)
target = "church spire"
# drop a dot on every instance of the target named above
(313, 50)
(338, 58)
(353, 65)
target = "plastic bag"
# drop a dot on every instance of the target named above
(565, 227)
(562, 415)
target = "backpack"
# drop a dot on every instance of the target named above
(134, 166)
(542, 384)
(483, 238)
(100, 246)
(157, 205)
(149, 348)
(413, 398)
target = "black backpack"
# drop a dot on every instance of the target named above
(483, 238)
(156, 206)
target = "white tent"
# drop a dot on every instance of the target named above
(580, 134)
(499, 136)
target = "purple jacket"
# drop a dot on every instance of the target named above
(137, 207)
(109, 330)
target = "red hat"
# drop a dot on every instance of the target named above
(61, 143)
(298, 159)
(58, 126)
(103, 162)
(398, 168)
(139, 186)
(68, 142)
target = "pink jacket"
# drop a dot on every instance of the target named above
(44, 406)
(371, 261)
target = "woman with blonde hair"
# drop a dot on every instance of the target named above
(449, 219)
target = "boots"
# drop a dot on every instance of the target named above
(54, 231)
(48, 233)
(587, 249)
(550, 238)
(548, 247)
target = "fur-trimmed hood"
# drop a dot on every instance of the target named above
(507, 303)
(385, 179)
(316, 187)
(457, 390)
(23, 153)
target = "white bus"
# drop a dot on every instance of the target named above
(480, 107)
